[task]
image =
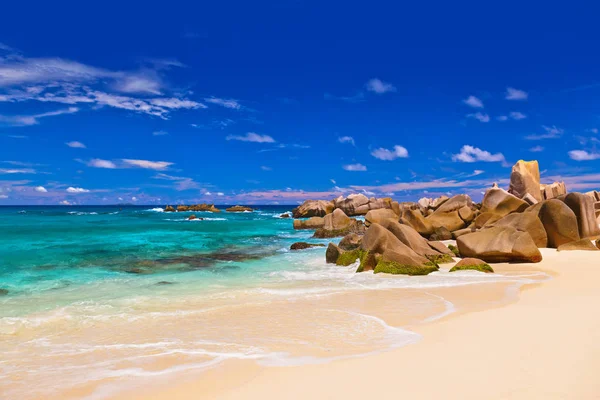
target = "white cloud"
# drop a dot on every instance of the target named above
(76, 144)
(75, 190)
(227, 103)
(100, 163)
(536, 149)
(252, 137)
(502, 118)
(473, 102)
(592, 130)
(388, 155)
(516, 115)
(354, 167)
(552, 132)
(17, 171)
(134, 198)
(160, 133)
(477, 172)
(346, 139)
(378, 86)
(582, 155)
(3, 196)
(27, 120)
(180, 182)
(265, 168)
(155, 165)
(480, 117)
(220, 194)
(516, 94)
(471, 154)
(40, 189)
(140, 84)
(65, 203)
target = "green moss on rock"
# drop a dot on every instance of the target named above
(367, 262)
(391, 267)
(440, 258)
(480, 267)
(454, 249)
(350, 257)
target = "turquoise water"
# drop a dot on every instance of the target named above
(101, 298)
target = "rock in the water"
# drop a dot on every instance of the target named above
(498, 202)
(311, 223)
(525, 179)
(305, 245)
(332, 253)
(559, 221)
(440, 247)
(337, 220)
(239, 209)
(499, 244)
(350, 242)
(472, 264)
(286, 215)
(526, 222)
(416, 220)
(169, 209)
(581, 244)
(359, 204)
(441, 233)
(192, 217)
(368, 262)
(380, 215)
(553, 190)
(583, 207)
(163, 283)
(313, 208)
(3, 292)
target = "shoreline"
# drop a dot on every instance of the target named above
(510, 350)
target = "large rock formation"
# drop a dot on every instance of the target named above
(581, 244)
(498, 203)
(414, 240)
(305, 245)
(313, 208)
(559, 221)
(359, 204)
(526, 222)
(472, 264)
(583, 207)
(448, 215)
(332, 253)
(311, 223)
(499, 244)
(337, 220)
(196, 208)
(553, 190)
(525, 179)
(350, 242)
(380, 215)
(416, 220)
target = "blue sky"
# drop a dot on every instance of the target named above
(276, 102)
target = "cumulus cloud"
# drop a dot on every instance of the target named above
(40, 189)
(354, 167)
(473, 102)
(160, 133)
(378, 86)
(471, 154)
(388, 155)
(227, 103)
(516, 94)
(481, 117)
(346, 139)
(155, 165)
(76, 144)
(550, 132)
(583, 155)
(76, 190)
(516, 115)
(252, 137)
(65, 203)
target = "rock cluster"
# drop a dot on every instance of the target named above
(194, 207)
(239, 209)
(507, 226)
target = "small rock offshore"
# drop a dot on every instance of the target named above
(507, 226)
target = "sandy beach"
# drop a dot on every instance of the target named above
(542, 346)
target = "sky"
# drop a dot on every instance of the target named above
(276, 102)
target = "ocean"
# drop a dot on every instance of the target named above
(93, 298)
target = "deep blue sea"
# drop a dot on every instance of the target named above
(94, 299)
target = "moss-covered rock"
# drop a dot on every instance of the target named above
(474, 264)
(349, 257)
(368, 262)
(440, 258)
(304, 245)
(454, 249)
(391, 267)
